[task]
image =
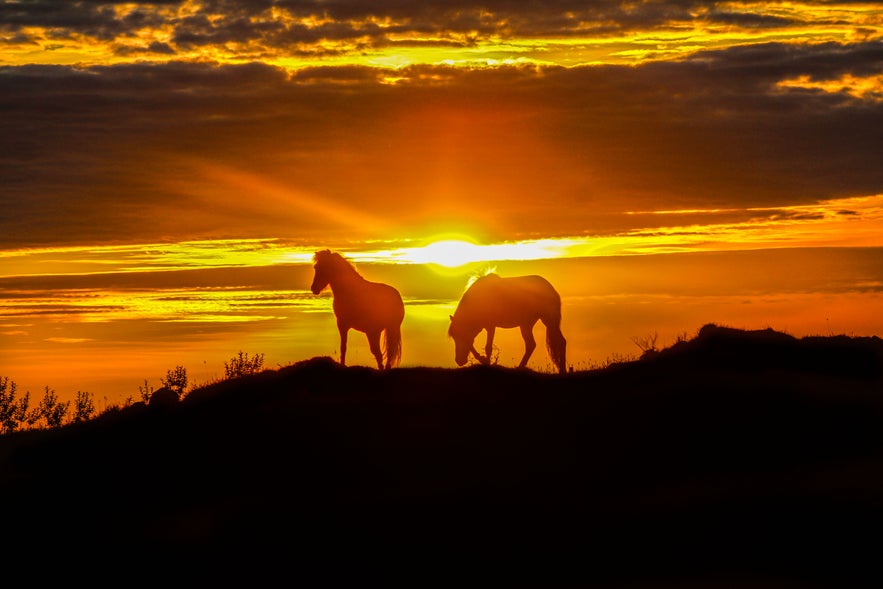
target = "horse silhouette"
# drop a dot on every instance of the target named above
(370, 307)
(518, 301)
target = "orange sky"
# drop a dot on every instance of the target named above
(168, 168)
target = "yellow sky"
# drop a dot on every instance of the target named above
(851, 222)
(107, 333)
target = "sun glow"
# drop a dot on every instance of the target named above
(454, 253)
(449, 253)
(847, 222)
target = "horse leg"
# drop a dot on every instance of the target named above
(374, 344)
(478, 356)
(530, 344)
(489, 344)
(344, 332)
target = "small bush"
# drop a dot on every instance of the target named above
(242, 365)
(176, 379)
(647, 344)
(84, 407)
(13, 411)
(50, 409)
(145, 392)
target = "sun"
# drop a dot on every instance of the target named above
(449, 253)
(454, 252)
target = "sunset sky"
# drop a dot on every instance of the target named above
(168, 168)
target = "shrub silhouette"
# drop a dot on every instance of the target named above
(50, 409)
(13, 411)
(84, 407)
(242, 365)
(647, 344)
(146, 391)
(176, 380)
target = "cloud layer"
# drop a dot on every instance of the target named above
(254, 27)
(334, 120)
(182, 150)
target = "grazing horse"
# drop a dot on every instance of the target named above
(518, 301)
(370, 307)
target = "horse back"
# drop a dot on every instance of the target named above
(532, 291)
(514, 301)
(373, 305)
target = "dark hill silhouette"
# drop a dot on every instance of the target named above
(735, 459)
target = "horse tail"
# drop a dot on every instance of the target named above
(392, 345)
(556, 344)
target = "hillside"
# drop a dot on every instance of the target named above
(736, 458)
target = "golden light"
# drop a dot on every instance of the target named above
(869, 88)
(449, 253)
(455, 252)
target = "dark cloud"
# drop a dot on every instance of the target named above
(718, 124)
(289, 24)
(749, 20)
(182, 150)
(97, 19)
(152, 49)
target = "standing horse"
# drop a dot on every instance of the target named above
(369, 307)
(519, 301)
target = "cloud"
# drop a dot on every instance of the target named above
(99, 19)
(154, 48)
(749, 20)
(150, 151)
(253, 28)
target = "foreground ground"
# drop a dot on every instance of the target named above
(747, 459)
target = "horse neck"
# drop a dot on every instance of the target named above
(344, 280)
(466, 311)
(476, 302)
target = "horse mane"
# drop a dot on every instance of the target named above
(477, 277)
(334, 260)
(467, 295)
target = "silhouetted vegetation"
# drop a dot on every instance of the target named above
(84, 407)
(242, 365)
(145, 391)
(646, 344)
(176, 380)
(13, 409)
(737, 459)
(50, 409)
(16, 414)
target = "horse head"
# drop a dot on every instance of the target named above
(464, 337)
(322, 269)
